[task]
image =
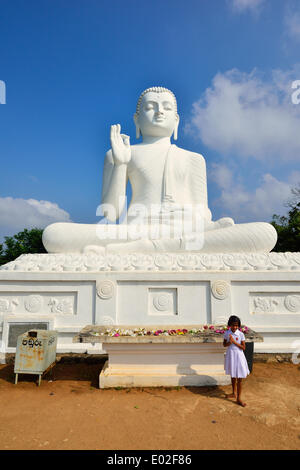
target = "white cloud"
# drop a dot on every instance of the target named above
(17, 214)
(221, 175)
(246, 5)
(292, 23)
(245, 115)
(258, 205)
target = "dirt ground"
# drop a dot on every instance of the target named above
(71, 412)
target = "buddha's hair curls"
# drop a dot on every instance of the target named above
(155, 89)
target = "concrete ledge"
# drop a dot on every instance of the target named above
(272, 357)
(96, 334)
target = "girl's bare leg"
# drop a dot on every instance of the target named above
(233, 383)
(239, 393)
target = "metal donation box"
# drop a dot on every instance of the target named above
(35, 353)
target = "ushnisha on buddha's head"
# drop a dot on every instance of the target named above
(156, 113)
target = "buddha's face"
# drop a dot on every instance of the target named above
(157, 116)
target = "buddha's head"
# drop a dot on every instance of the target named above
(156, 113)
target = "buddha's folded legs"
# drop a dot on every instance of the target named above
(75, 238)
(257, 237)
(69, 237)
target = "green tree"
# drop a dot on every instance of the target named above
(27, 241)
(288, 227)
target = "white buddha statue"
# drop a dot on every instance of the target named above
(169, 209)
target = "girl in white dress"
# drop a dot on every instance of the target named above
(235, 361)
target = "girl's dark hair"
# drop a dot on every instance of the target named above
(234, 319)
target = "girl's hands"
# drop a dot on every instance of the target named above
(232, 340)
(240, 345)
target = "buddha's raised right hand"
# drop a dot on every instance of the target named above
(120, 146)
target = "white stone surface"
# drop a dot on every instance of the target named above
(145, 262)
(263, 290)
(169, 364)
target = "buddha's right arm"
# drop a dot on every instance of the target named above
(198, 186)
(113, 188)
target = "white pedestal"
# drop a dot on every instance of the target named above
(70, 291)
(168, 365)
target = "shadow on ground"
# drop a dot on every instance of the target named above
(66, 369)
(213, 391)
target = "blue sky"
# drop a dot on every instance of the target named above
(73, 68)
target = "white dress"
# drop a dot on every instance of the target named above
(235, 361)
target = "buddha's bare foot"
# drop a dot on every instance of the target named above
(221, 223)
(224, 222)
(241, 403)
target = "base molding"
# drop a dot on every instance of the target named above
(110, 380)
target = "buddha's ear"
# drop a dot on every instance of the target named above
(175, 135)
(137, 128)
